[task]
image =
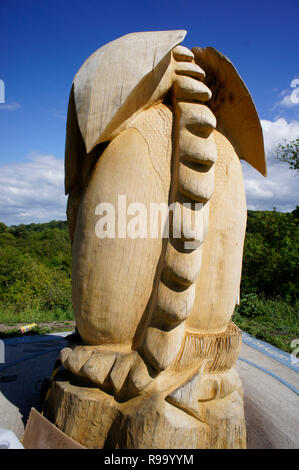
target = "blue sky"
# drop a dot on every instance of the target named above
(44, 42)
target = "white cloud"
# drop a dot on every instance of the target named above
(281, 188)
(10, 106)
(275, 132)
(291, 100)
(290, 96)
(32, 191)
(287, 101)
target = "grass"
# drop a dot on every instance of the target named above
(47, 321)
(273, 321)
(9, 315)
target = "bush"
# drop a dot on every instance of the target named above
(250, 306)
(271, 255)
(35, 264)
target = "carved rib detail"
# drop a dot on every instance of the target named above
(196, 149)
(192, 183)
(173, 306)
(196, 185)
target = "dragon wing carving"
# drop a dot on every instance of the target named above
(233, 107)
(114, 83)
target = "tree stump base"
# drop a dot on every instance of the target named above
(96, 420)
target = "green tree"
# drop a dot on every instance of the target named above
(3, 227)
(271, 255)
(289, 153)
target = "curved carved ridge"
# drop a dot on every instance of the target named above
(185, 396)
(184, 269)
(173, 307)
(201, 388)
(193, 124)
(196, 149)
(197, 186)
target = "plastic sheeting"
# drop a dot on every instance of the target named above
(8, 440)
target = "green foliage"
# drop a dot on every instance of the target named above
(270, 320)
(268, 307)
(250, 306)
(289, 153)
(3, 227)
(271, 256)
(35, 264)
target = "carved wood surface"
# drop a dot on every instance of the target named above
(155, 367)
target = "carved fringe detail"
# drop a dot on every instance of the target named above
(221, 349)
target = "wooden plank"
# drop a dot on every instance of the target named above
(41, 434)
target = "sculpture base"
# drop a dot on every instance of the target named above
(96, 420)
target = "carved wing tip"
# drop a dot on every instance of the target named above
(233, 106)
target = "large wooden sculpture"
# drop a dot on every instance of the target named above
(151, 122)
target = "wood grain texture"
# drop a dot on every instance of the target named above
(104, 83)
